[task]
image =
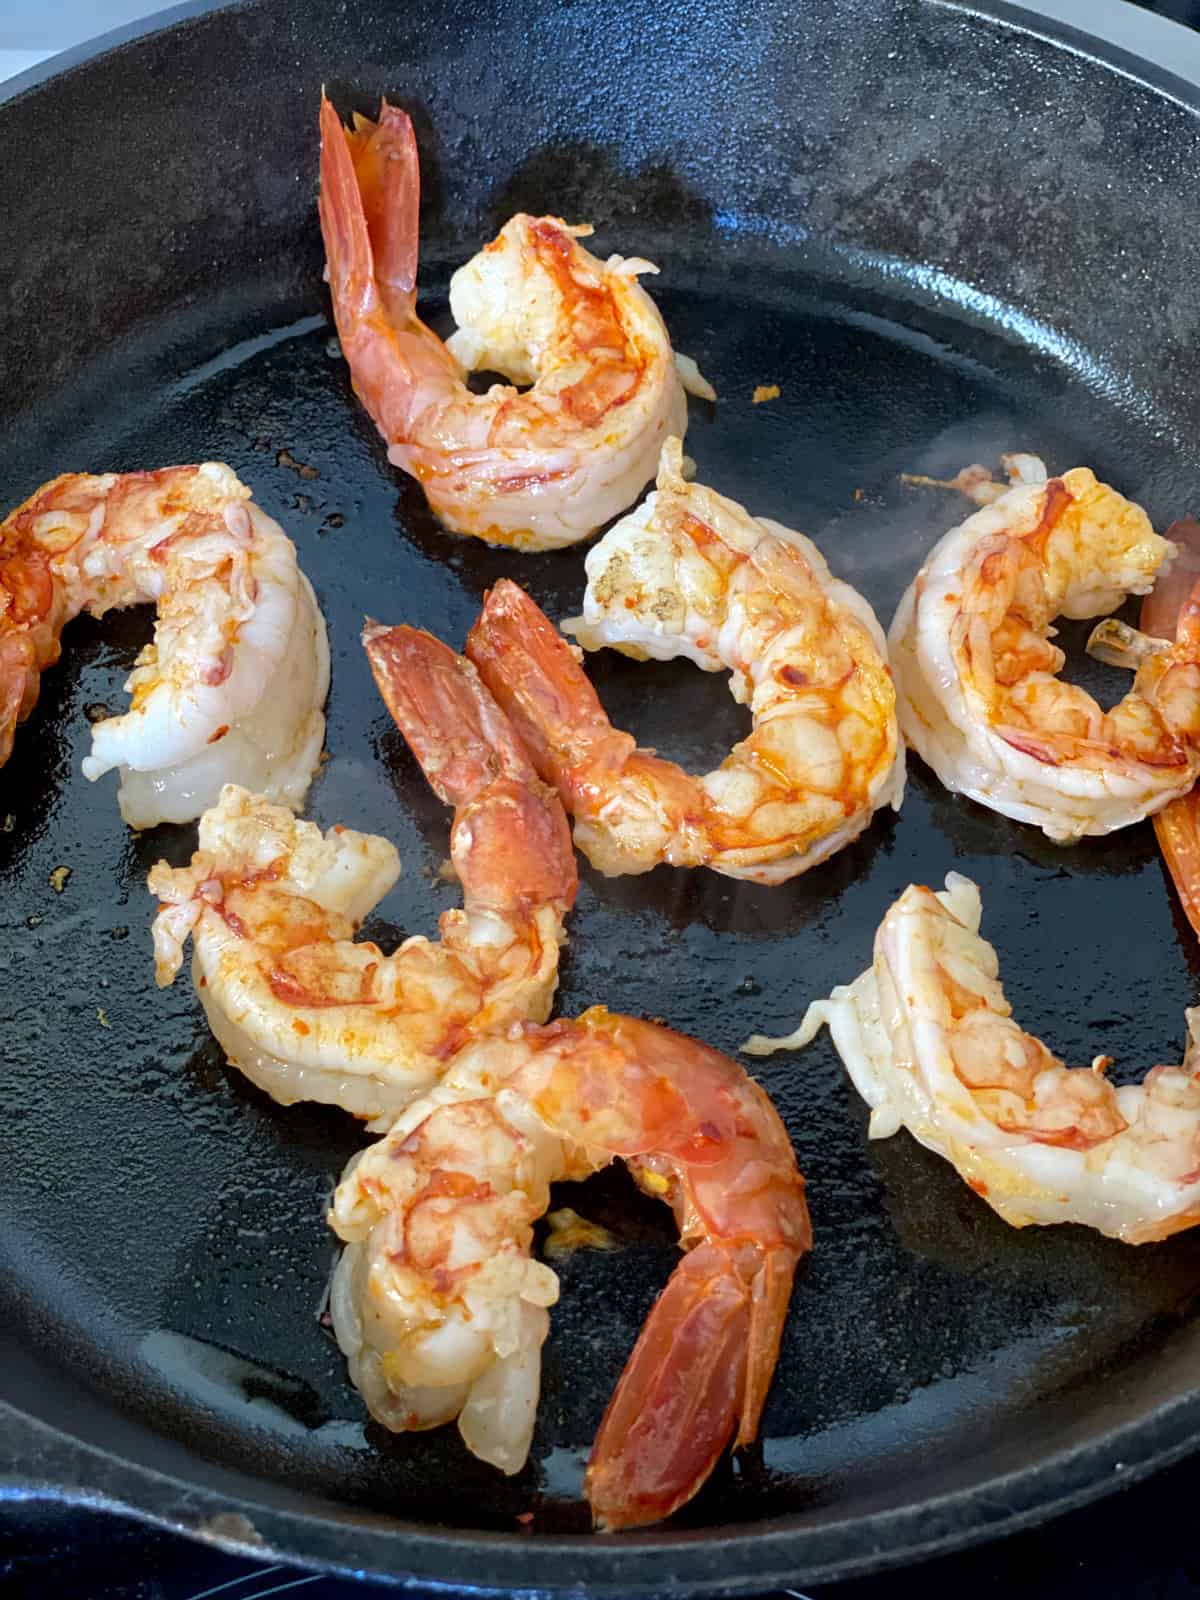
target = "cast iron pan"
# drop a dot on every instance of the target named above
(943, 233)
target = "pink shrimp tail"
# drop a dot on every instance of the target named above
(348, 257)
(454, 727)
(32, 614)
(531, 670)
(17, 673)
(511, 843)
(388, 170)
(1172, 610)
(370, 193)
(1163, 609)
(700, 1369)
(369, 207)
(771, 1293)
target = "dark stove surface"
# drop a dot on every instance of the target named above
(1142, 1545)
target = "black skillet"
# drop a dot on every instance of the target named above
(943, 231)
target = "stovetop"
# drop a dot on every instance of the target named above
(1140, 1545)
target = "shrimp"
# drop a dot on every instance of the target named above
(232, 687)
(929, 1041)
(442, 1312)
(538, 469)
(1172, 606)
(979, 699)
(691, 573)
(271, 906)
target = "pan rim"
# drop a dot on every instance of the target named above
(769, 1554)
(1147, 69)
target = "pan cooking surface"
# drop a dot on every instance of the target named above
(162, 1221)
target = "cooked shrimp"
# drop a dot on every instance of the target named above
(979, 699)
(441, 1310)
(233, 686)
(537, 469)
(271, 906)
(691, 573)
(930, 1043)
(1172, 607)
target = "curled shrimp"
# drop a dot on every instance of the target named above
(691, 573)
(930, 1043)
(1169, 610)
(233, 686)
(536, 469)
(442, 1311)
(970, 645)
(271, 905)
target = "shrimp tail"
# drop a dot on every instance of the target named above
(771, 1293)
(532, 671)
(19, 678)
(348, 255)
(510, 843)
(454, 727)
(700, 1369)
(387, 170)
(1177, 827)
(31, 618)
(370, 195)
(1170, 609)
(369, 204)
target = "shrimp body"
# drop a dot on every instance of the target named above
(690, 573)
(930, 1043)
(442, 1311)
(536, 469)
(979, 699)
(233, 686)
(271, 905)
